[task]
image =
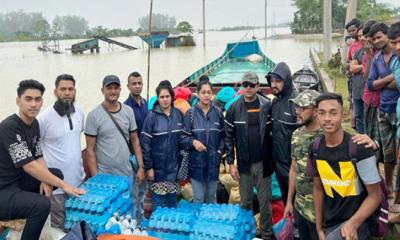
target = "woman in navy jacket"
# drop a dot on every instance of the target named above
(204, 123)
(161, 139)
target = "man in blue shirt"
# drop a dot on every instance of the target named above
(381, 79)
(139, 107)
(394, 39)
(135, 101)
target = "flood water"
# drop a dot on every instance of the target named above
(22, 60)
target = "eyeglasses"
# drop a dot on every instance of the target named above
(302, 109)
(248, 84)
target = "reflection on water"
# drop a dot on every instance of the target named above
(22, 60)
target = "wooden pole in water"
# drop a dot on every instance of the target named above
(204, 23)
(327, 30)
(149, 51)
(351, 13)
(265, 19)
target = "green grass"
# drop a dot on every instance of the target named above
(340, 86)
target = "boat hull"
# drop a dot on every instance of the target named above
(228, 69)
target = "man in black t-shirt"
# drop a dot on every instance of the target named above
(23, 172)
(346, 188)
(248, 131)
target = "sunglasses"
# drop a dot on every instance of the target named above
(247, 84)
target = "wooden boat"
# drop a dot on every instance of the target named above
(306, 78)
(228, 69)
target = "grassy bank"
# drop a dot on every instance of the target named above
(340, 85)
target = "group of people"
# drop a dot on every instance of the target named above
(329, 180)
(374, 86)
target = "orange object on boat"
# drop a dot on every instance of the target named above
(182, 105)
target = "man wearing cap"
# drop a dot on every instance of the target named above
(248, 131)
(300, 185)
(283, 122)
(107, 149)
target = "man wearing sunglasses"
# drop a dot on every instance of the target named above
(248, 130)
(283, 122)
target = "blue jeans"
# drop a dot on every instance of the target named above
(204, 191)
(167, 200)
(358, 106)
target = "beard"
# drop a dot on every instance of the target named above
(66, 101)
(380, 48)
(64, 107)
(306, 122)
(276, 91)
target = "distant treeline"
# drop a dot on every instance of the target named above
(33, 26)
(239, 28)
(309, 16)
(28, 26)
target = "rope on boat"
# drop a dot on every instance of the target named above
(222, 58)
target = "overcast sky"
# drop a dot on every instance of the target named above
(125, 13)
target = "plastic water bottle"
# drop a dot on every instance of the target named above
(126, 222)
(112, 221)
(136, 232)
(133, 223)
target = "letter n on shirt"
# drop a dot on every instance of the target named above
(344, 183)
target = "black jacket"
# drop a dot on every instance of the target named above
(236, 135)
(161, 140)
(283, 120)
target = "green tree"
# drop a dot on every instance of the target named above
(184, 27)
(41, 29)
(22, 26)
(309, 15)
(98, 31)
(74, 26)
(159, 22)
(370, 9)
(57, 26)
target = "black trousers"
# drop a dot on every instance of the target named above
(23, 201)
(307, 229)
(283, 186)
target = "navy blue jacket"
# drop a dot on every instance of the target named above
(209, 130)
(161, 140)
